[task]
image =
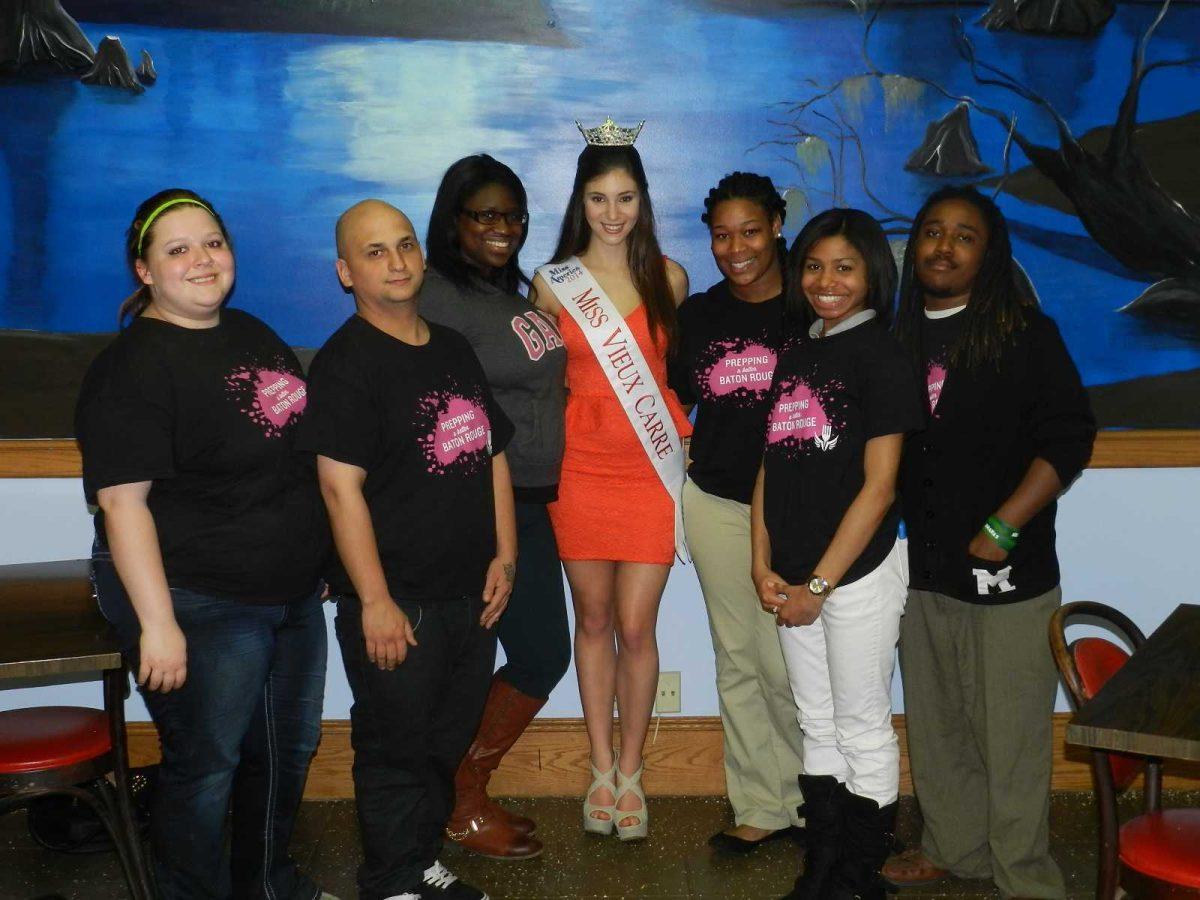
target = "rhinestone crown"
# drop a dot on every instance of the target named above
(609, 134)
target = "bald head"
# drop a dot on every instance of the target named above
(361, 212)
(379, 257)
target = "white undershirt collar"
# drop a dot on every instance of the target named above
(815, 329)
(944, 313)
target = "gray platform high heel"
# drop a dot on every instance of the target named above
(600, 780)
(632, 784)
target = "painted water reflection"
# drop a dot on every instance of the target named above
(284, 131)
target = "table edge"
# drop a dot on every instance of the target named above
(68, 665)
(1118, 741)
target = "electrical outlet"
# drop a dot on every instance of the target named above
(669, 694)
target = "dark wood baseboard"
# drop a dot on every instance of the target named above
(684, 759)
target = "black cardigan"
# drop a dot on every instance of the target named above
(991, 423)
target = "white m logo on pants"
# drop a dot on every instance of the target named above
(985, 580)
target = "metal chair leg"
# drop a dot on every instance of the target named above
(123, 838)
(116, 683)
(99, 798)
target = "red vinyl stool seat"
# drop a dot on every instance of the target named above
(51, 737)
(1164, 845)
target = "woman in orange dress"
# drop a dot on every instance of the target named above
(615, 520)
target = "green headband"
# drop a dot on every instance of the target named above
(158, 211)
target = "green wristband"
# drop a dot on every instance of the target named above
(1003, 534)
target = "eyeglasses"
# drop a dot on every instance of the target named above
(493, 216)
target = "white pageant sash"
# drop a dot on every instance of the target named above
(628, 374)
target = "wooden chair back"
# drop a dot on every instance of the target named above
(1085, 665)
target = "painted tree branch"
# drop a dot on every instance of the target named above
(1116, 197)
(893, 215)
(1121, 142)
(967, 51)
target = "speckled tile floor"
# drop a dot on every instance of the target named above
(674, 863)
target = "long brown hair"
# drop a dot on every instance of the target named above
(136, 245)
(647, 267)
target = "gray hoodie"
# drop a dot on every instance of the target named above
(525, 362)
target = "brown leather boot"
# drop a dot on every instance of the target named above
(477, 823)
(523, 824)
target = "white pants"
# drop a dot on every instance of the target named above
(840, 668)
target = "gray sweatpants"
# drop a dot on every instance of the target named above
(979, 688)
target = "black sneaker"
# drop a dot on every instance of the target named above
(438, 882)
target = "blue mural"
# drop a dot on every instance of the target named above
(284, 129)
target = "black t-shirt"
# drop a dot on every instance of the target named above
(724, 365)
(831, 396)
(423, 424)
(209, 416)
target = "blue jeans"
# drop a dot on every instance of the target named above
(533, 630)
(240, 732)
(410, 728)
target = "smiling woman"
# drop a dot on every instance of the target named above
(828, 560)
(729, 339)
(179, 250)
(476, 230)
(618, 519)
(209, 535)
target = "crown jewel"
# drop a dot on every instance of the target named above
(609, 134)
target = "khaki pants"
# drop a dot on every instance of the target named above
(979, 688)
(762, 733)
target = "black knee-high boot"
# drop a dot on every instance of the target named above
(868, 832)
(824, 796)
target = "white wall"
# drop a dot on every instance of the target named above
(1126, 538)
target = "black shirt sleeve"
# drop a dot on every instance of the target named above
(681, 362)
(124, 421)
(1061, 425)
(341, 421)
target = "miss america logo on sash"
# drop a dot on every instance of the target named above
(630, 377)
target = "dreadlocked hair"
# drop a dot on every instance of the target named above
(999, 294)
(757, 189)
